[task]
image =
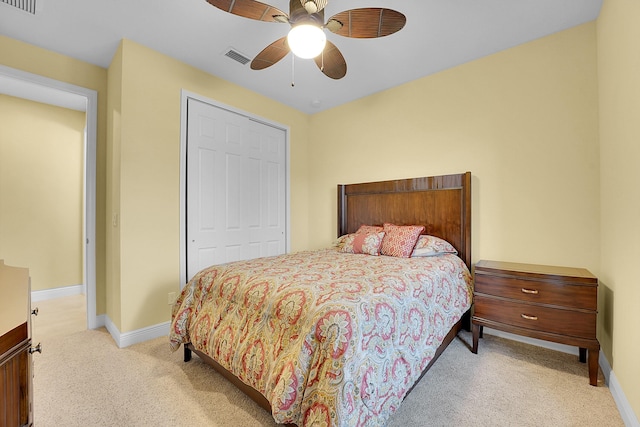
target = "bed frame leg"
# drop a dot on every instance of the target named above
(187, 353)
(466, 321)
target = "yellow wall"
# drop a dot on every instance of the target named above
(523, 121)
(32, 59)
(41, 176)
(148, 162)
(618, 32)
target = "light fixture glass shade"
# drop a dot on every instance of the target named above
(306, 41)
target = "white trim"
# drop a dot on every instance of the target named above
(287, 172)
(100, 320)
(125, 339)
(184, 96)
(90, 208)
(89, 235)
(63, 291)
(626, 411)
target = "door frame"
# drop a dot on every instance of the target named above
(185, 95)
(89, 233)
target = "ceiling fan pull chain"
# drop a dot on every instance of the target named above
(293, 70)
(322, 68)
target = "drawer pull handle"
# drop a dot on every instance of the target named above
(529, 291)
(526, 316)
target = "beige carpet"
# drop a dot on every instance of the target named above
(83, 379)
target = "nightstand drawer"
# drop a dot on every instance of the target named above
(541, 292)
(580, 324)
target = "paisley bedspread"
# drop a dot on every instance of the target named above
(328, 338)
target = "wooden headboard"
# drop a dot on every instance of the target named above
(441, 203)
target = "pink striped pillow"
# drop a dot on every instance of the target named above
(399, 240)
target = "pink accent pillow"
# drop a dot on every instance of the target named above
(370, 229)
(431, 245)
(399, 240)
(363, 243)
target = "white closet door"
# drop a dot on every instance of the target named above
(236, 204)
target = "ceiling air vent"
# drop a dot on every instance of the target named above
(26, 5)
(237, 56)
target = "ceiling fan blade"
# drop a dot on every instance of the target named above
(250, 9)
(366, 23)
(331, 62)
(271, 54)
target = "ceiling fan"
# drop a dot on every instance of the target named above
(307, 16)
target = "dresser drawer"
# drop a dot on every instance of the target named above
(541, 292)
(580, 324)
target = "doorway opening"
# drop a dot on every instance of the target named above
(34, 87)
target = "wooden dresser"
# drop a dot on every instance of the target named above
(15, 347)
(556, 304)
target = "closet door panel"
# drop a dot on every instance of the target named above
(236, 187)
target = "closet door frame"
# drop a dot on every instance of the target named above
(185, 96)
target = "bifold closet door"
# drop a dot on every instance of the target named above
(236, 187)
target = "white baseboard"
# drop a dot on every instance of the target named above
(125, 339)
(64, 291)
(626, 412)
(100, 321)
(122, 339)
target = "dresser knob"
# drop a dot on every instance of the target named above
(34, 312)
(526, 316)
(529, 291)
(37, 348)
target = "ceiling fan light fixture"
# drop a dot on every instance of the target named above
(310, 6)
(313, 6)
(306, 41)
(334, 25)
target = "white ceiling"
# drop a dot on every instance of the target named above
(439, 34)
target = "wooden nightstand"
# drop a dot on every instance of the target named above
(556, 304)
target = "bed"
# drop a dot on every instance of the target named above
(329, 337)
